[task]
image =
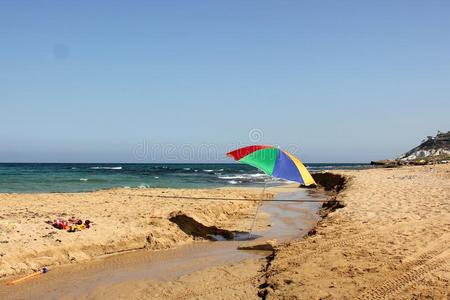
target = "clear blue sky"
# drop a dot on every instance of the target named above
(97, 81)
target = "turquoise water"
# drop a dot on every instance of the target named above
(34, 178)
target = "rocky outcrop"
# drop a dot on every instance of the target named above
(433, 148)
(387, 163)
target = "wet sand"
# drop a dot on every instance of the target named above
(108, 277)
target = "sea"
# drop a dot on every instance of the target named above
(81, 177)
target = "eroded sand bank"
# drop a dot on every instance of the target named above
(123, 275)
(390, 241)
(123, 220)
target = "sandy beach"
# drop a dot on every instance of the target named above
(388, 241)
(123, 220)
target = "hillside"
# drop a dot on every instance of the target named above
(433, 148)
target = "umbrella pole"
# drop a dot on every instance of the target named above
(257, 210)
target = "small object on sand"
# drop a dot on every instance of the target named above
(79, 226)
(60, 224)
(42, 271)
(259, 245)
(72, 225)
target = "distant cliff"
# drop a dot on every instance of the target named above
(433, 148)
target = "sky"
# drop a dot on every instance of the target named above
(161, 81)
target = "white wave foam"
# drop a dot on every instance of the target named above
(187, 169)
(258, 175)
(250, 178)
(143, 186)
(208, 171)
(156, 177)
(84, 179)
(233, 182)
(244, 176)
(106, 168)
(232, 177)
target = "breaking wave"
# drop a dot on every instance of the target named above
(106, 168)
(249, 178)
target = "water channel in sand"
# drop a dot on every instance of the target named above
(288, 220)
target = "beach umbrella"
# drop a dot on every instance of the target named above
(274, 162)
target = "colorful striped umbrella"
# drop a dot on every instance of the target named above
(274, 162)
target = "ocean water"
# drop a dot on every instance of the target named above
(36, 177)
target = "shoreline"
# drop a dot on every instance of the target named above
(385, 237)
(72, 178)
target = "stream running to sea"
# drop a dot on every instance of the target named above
(287, 221)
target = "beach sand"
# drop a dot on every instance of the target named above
(123, 220)
(390, 241)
